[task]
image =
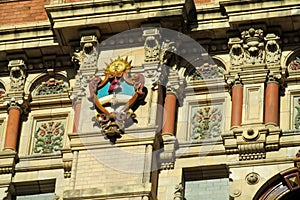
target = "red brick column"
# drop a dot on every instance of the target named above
(12, 130)
(170, 107)
(272, 103)
(237, 105)
(76, 116)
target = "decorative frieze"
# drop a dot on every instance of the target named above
(48, 136)
(206, 122)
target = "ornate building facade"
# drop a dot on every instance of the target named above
(149, 100)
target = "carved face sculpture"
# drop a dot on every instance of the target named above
(118, 65)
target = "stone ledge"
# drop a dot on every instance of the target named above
(114, 192)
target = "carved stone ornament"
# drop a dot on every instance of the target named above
(236, 52)
(178, 194)
(116, 97)
(207, 71)
(88, 45)
(152, 45)
(273, 51)
(167, 157)
(52, 86)
(252, 178)
(254, 48)
(17, 74)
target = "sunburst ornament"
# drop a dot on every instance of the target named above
(118, 65)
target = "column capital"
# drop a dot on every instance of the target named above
(176, 85)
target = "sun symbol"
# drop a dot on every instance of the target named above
(118, 65)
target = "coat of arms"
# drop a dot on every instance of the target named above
(116, 97)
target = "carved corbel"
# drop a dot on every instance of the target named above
(236, 53)
(17, 74)
(88, 49)
(167, 157)
(152, 44)
(67, 162)
(7, 162)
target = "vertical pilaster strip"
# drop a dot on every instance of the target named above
(272, 103)
(12, 130)
(14, 99)
(169, 114)
(237, 105)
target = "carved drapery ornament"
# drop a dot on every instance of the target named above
(116, 97)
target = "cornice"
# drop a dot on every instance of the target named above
(24, 36)
(228, 12)
(96, 12)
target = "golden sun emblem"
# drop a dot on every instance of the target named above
(118, 65)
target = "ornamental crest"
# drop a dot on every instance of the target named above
(116, 97)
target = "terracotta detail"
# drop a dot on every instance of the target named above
(169, 114)
(12, 130)
(271, 103)
(237, 106)
(76, 117)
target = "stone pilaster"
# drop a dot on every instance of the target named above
(17, 106)
(255, 60)
(87, 61)
(174, 97)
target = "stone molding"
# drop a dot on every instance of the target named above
(7, 164)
